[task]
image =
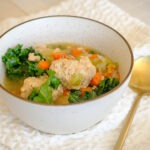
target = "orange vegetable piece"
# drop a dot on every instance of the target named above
(94, 56)
(107, 74)
(43, 65)
(76, 52)
(58, 55)
(66, 92)
(96, 79)
(83, 90)
(118, 75)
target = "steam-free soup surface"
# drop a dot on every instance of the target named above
(59, 73)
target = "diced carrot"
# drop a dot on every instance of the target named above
(43, 65)
(76, 52)
(110, 70)
(83, 90)
(58, 55)
(110, 74)
(94, 56)
(107, 74)
(87, 50)
(96, 79)
(66, 92)
(118, 75)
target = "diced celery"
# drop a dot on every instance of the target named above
(92, 51)
(99, 64)
(46, 53)
(95, 61)
(113, 64)
(101, 67)
(107, 60)
(49, 59)
(76, 79)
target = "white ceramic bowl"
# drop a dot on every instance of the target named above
(74, 117)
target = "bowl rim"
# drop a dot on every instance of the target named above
(82, 18)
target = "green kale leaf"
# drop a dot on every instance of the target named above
(44, 95)
(17, 64)
(89, 95)
(74, 96)
(106, 85)
(54, 81)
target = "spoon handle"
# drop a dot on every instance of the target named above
(128, 123)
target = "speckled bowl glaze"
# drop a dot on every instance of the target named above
(65, 119)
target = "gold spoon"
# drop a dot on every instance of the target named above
(140, 83)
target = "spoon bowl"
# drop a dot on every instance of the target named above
(140, 79)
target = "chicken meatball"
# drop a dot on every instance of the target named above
(74, 74)
(36, 82)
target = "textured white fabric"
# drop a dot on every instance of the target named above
(16, 135)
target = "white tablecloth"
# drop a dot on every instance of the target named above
(16, 135)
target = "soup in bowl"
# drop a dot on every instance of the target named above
(63, 74)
